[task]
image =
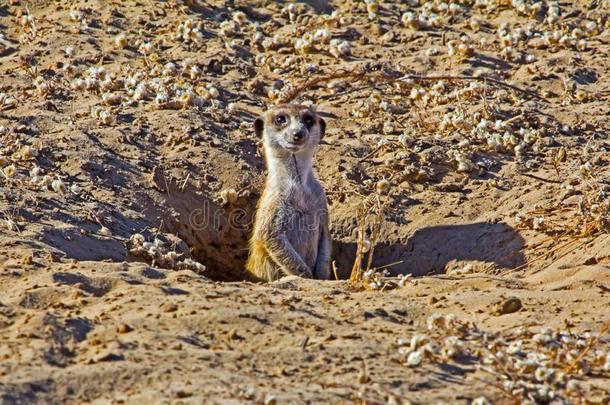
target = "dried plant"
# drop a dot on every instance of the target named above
(370, 218)
(525, 366)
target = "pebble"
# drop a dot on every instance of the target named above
(123, 328)
(169, 307)
(508, 306)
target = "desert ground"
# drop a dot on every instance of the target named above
(467, 155)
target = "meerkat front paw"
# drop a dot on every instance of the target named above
(307, 273)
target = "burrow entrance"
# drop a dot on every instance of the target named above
(218, 235)
(217, 232)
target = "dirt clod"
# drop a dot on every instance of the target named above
(508, 306)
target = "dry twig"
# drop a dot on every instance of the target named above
(382, 73)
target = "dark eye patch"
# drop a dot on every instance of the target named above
(308, 120)
(280, 119)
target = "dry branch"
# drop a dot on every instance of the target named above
(383, 73)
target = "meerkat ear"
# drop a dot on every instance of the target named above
(322, 127)
(259, 125)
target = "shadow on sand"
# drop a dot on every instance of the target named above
(430, 250)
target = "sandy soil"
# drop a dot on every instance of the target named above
(130, 172)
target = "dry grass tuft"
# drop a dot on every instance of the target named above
(370, 217)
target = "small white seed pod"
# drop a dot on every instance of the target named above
(120, 41)
(58, 186)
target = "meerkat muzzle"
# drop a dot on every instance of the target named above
(298, 137)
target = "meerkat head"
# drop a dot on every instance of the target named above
(290, 128)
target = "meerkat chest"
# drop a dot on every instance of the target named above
(304, 224)
(306, 201)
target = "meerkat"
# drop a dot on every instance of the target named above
(291, 235)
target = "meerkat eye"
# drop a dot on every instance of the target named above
(280, 119)
(308, 120)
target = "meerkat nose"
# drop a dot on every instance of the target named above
(298, 136)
